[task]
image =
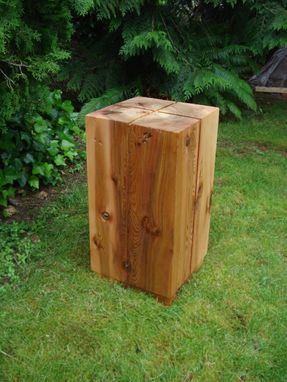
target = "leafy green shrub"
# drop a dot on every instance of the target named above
(34, 37)
(16, 249)
(35, 126)
(35, 146)
(200, 51)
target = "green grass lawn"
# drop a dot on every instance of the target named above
(229, 322)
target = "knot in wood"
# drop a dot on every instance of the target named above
(98, 242)
(145, 138)
(150, 227)
(105, 215)
(114, 179)
(127, 265)
(187, 140)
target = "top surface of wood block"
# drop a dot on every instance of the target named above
(119, 113)
(155, 113)
(189, 110)
(152, 104)
(165, 122)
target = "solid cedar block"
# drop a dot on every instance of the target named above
(150, 178)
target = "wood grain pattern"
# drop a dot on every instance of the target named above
(190, 110)
(119, 113)
(150, 176)
(208, 117)
(107, 160)
(152, 161)
(152, 104)
(108, 198)
(205, 178)
(186, 183)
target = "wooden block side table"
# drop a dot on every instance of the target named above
(150, 166)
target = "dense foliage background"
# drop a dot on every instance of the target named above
(201, 51)
(101, 51)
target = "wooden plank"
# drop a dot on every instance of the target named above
(186, 178)
(165, 122)
(152, 164)
(107, 164)
(152, 104)
(91, 175)
(208, 117)
(189, 110)
(119, 113)
(204, 188)
(158, 160)
(107, 156)
(265, 89)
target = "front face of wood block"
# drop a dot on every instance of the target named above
(143, 173)
(107, 196)
(107, 161)
(151, 209)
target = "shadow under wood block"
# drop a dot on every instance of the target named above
(150, 178)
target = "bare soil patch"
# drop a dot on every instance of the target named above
(26, 203)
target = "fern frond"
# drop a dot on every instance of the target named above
(166, 59)
(108, 98)
(82, 7)
(280, 21)
(143, 41)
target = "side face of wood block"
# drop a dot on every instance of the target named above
(150, 176)
(208, 117)
(186, 187)
(205, 179)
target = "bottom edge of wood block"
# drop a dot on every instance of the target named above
(160, 298)
(166, 300)
(197, 263)
(104, 276)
